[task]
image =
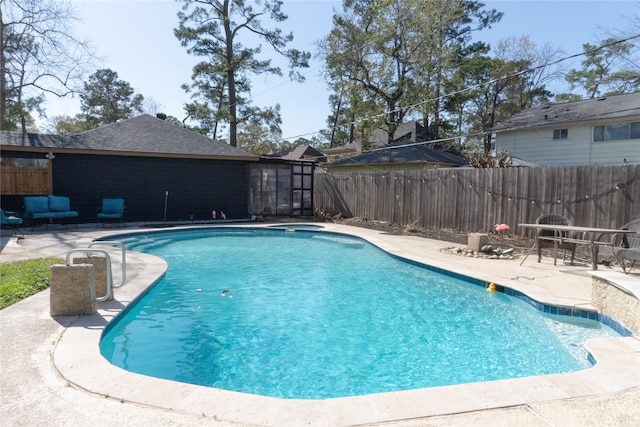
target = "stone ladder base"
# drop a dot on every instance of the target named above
(72, 290)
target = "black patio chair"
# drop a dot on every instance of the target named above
(626, 247)
(542, 236)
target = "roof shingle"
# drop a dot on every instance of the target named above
(403, 153)
(143, 134)
(609, 107)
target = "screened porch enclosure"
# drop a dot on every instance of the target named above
(281, 189)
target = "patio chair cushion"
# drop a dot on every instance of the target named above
(59, 204)
(39, 215)
(9, 219)
(112, 207)
(109, 216)
(65, 214)
(36, 204)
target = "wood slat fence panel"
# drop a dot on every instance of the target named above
(17, 180)
(474, 200)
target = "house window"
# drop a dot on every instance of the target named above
(617, 132)
(561, 134)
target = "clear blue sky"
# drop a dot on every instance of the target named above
(135, 39)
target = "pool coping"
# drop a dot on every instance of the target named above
(77, 358)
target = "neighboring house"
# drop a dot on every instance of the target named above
(407, 132)
(161, 170)
(341, 152)
(402, 155)
(303, 153)
(601, 131)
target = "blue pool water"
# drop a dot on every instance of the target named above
(312, 315)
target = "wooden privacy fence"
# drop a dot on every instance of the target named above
(474, 200)
(21, 180)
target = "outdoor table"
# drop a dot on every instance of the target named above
(589, 237)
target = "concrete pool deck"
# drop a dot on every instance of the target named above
(52, 372)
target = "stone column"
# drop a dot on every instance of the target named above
(477, 240)
(72, 290)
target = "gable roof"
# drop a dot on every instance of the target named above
(143, 135)
(409, 132)
(406, 132)
(304, 152)
(604, 108)
(347, 148)
(402, 152)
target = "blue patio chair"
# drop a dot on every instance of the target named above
(112, 210)
(11, 220)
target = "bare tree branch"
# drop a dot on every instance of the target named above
(38, 53)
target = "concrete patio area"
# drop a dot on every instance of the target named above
(52, 372)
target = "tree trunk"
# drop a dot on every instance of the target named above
(3, 77)
(215, 126)
(335, 121)
(352, 128)
(233, 120)
(487, 143)
(392, 121)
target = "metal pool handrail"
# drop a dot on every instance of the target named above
(124, 256)
(106, 254)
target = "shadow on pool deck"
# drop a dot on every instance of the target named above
(52, 373)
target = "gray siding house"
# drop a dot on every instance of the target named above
(600, 131)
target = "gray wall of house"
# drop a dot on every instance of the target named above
(538, 146)
(195, 186)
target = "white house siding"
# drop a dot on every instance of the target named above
(537, 145)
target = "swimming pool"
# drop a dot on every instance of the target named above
(302, 314)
